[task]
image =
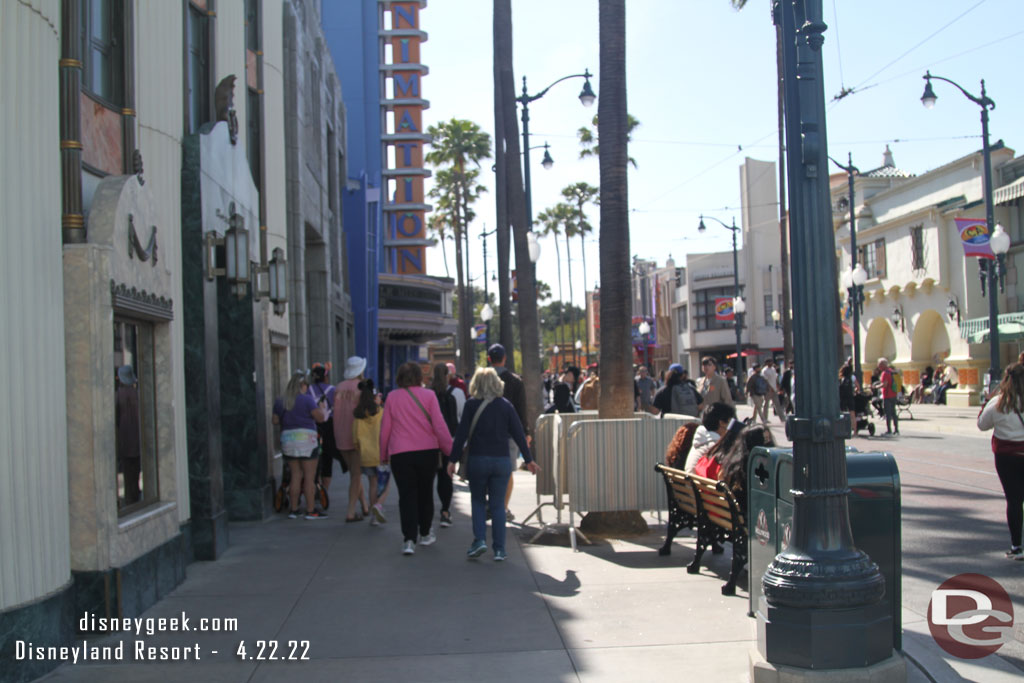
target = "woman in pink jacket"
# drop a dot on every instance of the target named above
(411, 433)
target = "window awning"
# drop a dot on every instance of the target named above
(1008, 193)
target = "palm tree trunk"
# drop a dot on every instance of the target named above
(561, 301)
(586, 320)
(460, 289)
(572, 312)
(516, 202)
(444, 256)
(501, 230)
(616, 400)
(471, 303)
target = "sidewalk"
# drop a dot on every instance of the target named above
(615, 611)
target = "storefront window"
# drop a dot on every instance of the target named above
(134, 416)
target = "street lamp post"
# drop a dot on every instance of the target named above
(738, 307)
(486, 313)
(587, 97)
(998, 239)
(645, 329)
(579, 347)
(857, 275)
(820, 577)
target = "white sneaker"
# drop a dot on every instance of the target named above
(374, 522)
(429, 539)
(408, 548)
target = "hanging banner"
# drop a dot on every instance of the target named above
(723, 309)
(974, 237)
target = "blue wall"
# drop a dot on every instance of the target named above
(351, 32)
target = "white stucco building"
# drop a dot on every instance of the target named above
(923, 298)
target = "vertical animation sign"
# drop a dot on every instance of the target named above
(406, 209)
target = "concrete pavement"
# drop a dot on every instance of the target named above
(614, 611)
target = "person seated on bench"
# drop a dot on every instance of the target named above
(715, 422)
(735, 462)
(709, 465)
(679, 448)
(562, 401)
(927, 375)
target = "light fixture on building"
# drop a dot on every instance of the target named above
(276, 281)
(555, 349)
(776, 318)
(898, 319)
(236, 253)
(953, 309)
(579, 344)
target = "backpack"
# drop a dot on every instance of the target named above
(760, 385)
(449, 410)
(684, 399)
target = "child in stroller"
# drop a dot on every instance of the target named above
(862, 408)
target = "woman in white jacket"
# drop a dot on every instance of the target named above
(1002, 414)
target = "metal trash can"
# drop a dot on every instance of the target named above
(874, 500)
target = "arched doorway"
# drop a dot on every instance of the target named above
(930, 343)
(879, 342)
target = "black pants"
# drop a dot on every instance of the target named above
(444, 487)
(414, 476)
(1010, 469)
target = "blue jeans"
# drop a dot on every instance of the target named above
(488, 478)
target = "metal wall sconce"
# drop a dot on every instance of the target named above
(239, 269)
(236, 253)
(776, 318)
(898, 319)
(277, 285)
(953, 309)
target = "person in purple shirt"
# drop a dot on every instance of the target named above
(298, 414)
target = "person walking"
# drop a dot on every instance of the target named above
(645, 387)
(771, 375)
(589, 393)
(346, 397)
(366, 421)
(515, 393)
(411, 433)
(562, 400)
(488, 423)
(757, 389)
(847, 392)
(713, 387)
(450, 409)
(298, 414)
(887, 387)
(1002, 414)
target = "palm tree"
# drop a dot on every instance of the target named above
(529, 333)
(616, 396)
(581, 194)
(552, 220)
(459, 145)
(588, 138)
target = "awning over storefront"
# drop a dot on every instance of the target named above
(976, 330)
(1008, 193)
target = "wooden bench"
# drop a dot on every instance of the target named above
(709, 507)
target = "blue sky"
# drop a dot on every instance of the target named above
(701, 80)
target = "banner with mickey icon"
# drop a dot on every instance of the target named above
(724, 309)
(974, 237)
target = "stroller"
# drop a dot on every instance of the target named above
(281, 497)
(862, 404)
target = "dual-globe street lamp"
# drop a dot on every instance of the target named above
(644, 329)
(998, 239)
(738, 305)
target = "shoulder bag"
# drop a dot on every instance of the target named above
(440, 456)
(464, 455)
